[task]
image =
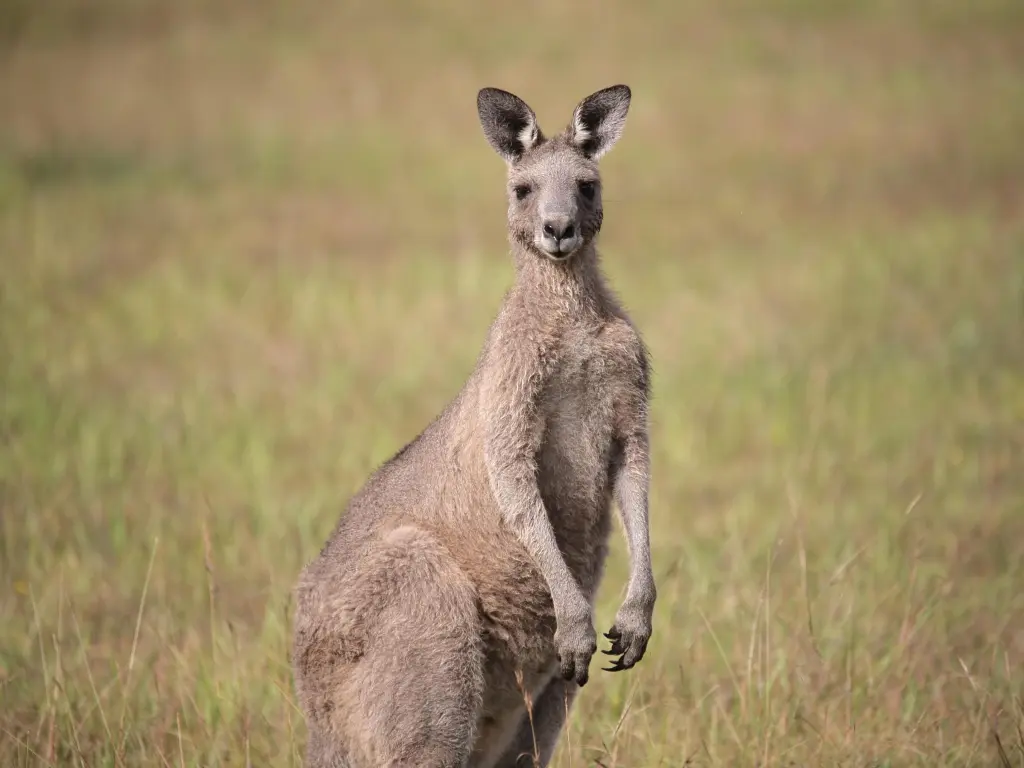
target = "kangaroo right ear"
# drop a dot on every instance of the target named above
(598, 120)
(508, 122)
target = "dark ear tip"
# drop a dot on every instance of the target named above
(483, 95)
(621, 90)
(620, 94)
(495, 94)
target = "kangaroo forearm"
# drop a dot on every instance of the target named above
(632, 491)
(633, 508)
(523, 511)
(539, 540)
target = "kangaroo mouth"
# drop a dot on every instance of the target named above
(559, 250)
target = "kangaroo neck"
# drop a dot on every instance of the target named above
(573, 285)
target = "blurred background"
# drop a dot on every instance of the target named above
(249, 249)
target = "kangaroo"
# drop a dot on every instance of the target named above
(461, 578)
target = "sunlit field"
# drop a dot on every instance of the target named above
(249, 249)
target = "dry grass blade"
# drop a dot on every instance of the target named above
(1019, 718)
(528, 701)
(181, 746)
(135, 644)
(768, 675)
(568, 729)
(838, 573)
(92, 682)
(791, 494)
(1004, 759)
(21, 742)
(44, 666)
(613, 739)
(211, 585)
(754, 625)
(722, 654)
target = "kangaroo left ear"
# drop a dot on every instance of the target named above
(598, 120)
(508, 122)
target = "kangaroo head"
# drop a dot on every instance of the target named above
(554, 187)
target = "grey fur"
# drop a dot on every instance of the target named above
(469, 562)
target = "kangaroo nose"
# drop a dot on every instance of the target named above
(559, 227)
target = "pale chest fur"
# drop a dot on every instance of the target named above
(591, 382)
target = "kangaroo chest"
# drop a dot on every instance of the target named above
(580, 406)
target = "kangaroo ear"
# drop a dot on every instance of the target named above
(598, 120)
(508, 122)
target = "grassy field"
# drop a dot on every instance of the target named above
(248, 249)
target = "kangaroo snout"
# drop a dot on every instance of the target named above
(559, 235)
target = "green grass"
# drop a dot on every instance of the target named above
(249, 249)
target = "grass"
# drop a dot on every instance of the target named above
(249, 249)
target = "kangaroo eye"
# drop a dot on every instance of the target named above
(522, 190)
(587, 189)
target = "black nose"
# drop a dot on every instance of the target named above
(559, 229)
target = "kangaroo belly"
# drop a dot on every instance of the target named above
(574, 475)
